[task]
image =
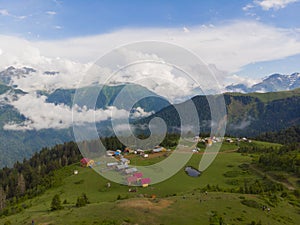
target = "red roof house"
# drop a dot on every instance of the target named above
(138, 175)
(131, 180)
(145, 182)
(84, 161)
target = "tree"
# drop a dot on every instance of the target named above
(56, 203)
(82, 200)
(2, 198)
(21, 184)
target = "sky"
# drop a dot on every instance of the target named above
(51, 23)
(239, 40)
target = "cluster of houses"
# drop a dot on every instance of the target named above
(133, 177)
(143, 153)
(210, 140)
(138, 179)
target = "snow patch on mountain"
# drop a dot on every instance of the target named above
(272, 83)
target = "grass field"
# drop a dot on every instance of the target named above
(178, 200)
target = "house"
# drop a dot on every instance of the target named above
(208, 142)
(125, 161)
(145, 182)
(122, 167)
(229, 140)
(91, 163)
(110, 153)
(138, 175)
(117, 153)
(128, 150)
(130, 170)
(86, 162)
(158, 149)
(131, 180)
(139, 151)
(196, 138)
(112, 164)
(194, 150)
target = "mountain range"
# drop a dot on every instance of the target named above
(272, 83)
(248, 114)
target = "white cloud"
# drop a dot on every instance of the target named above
(235, 79)
(4, 12)
(274, 4)
(42, 115)
(51, 13)
(140, 112)
(229, 47)
(226, 47)
(247, 7)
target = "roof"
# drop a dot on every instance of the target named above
(121, 167)
(124, 160)
(85, 160)
(131, 179)
(158, 149)
(145, 181)
(112, 164)
(130, 170)
(138, 175)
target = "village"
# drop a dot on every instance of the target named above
(120, 161)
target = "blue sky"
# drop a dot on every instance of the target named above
(56, 20)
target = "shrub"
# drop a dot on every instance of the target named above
(56, 203)
(250, 203)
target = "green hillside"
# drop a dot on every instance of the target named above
(178, 200)
(271, 96)
(247, 114)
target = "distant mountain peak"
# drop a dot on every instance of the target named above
(11, 71)
(271, 83)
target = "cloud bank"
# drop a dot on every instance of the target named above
(41, 115)
(225, 48)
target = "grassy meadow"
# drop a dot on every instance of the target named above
(179, 200)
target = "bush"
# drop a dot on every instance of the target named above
(232, 173)
(251, 203)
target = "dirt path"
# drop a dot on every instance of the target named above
(287, 185)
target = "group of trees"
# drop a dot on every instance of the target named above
(287, 136)
(56, 204)
(285, 158)
(34, 176)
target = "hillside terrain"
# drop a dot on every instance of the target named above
(247, 114)
(233, 190)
